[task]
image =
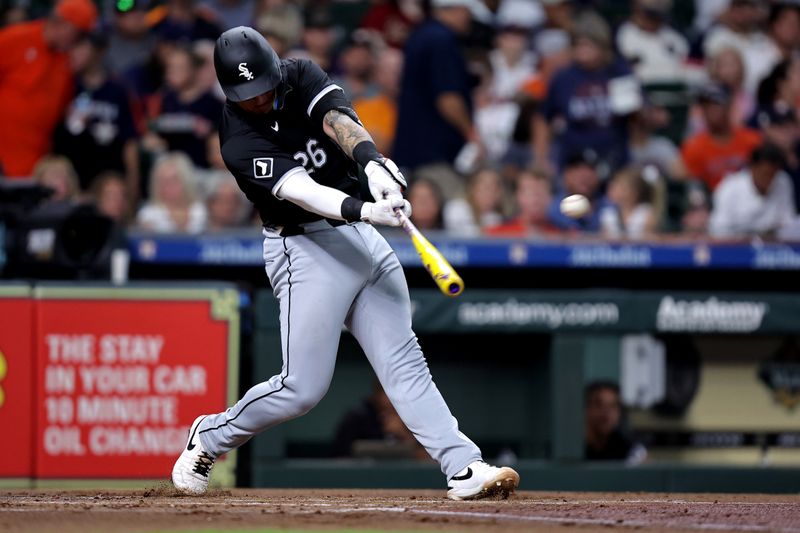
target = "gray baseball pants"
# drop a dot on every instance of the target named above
(326, 277)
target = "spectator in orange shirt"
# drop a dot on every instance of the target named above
(723, 148)
(36, 82)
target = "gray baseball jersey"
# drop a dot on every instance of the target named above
(325, 274)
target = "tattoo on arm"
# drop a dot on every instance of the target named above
(345, 131)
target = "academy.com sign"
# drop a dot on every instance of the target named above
(550, 315)
(710, 315)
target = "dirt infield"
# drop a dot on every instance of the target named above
(160, 509)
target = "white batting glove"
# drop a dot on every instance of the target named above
(385, 179)
(383, 212)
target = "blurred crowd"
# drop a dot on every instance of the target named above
(676, 118)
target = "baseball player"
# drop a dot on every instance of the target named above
(292, 141)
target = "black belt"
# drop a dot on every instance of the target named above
(297, 229)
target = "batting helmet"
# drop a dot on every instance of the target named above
(246, 64)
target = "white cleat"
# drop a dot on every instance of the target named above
(480, 480)
(192, 469)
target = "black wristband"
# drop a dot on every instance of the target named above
(351, 209)
(366, 151)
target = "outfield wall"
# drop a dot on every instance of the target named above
(512, 365)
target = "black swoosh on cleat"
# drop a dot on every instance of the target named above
(465, 476)
(191, 445)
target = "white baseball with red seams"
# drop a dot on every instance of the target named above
(575, 206)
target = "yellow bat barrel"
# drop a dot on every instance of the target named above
(445, 276)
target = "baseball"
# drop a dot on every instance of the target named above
(575, 206)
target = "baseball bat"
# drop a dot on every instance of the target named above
(445, 276)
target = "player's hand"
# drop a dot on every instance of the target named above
(383, 212)
(384, 179)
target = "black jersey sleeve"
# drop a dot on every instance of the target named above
(257, 164)
(318, 93)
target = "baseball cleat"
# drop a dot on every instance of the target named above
(192, 469)
(481, 480)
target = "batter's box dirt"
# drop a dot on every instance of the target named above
(161, 509)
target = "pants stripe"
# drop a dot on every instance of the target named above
(288, 337)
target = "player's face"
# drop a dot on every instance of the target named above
(261, 104)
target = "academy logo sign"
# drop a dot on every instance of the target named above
(549, 315)
(711, 315)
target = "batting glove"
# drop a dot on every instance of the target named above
(383, 212)
(385, 179)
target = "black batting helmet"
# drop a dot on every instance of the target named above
(246, 64)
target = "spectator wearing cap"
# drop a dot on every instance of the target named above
(130, 41)
(588, 101)
(723, 147)
(98, 121)
(740, 28)
(757, 201)
(655, 50)
(435, 102)
(580, 177)
(36, 82)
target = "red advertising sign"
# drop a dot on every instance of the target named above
(121, 380)
(17, 413)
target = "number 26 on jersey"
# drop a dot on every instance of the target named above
(313, 157)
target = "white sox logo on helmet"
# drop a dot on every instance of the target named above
(244, 71)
